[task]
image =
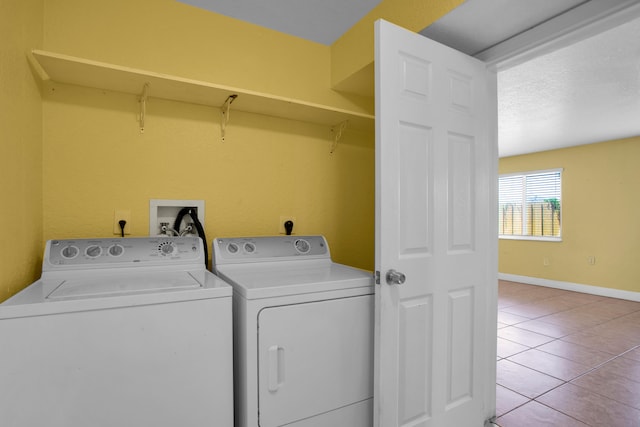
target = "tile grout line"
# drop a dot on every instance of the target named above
(564, 382)
(600, 319)
(599, 366)
(604, 363)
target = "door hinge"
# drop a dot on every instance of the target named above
(490, 422)
(377, 277)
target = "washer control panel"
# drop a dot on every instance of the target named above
(132, 250)
(272, 248)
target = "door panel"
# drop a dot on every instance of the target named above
(460, 348)
(436, 157)
(461, 193)
(415, 358)
(314, 358)
(415, 202)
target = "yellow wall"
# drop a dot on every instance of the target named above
(74, 155)
(600, 205)
(352, 54)
(97, 161)
(170, 37)
(20, 147)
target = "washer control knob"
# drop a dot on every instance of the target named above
(116, 250)
(166, 248)
(249, 247)
(93, 251)
(70, 252)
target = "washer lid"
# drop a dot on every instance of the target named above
(131, 283)
(108, 289)
(272, 279)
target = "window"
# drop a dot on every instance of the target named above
(530, 205)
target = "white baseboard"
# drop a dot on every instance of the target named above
(576, 287)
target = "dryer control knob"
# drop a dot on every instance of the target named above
(302, 246)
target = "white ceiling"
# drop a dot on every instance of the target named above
(582, 93)
(585, 93)
(321, 21)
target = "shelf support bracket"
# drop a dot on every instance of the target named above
(143, 105)
(336, 131)
(226, 113)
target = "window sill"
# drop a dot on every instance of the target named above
(533, 238)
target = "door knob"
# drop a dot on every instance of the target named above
(395, 277)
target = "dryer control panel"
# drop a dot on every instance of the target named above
(236, 250)
(132, 251)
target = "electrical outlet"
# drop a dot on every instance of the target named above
(546, 262)
(283, 219)
(166, 211)
(591, 260)
(118, 215)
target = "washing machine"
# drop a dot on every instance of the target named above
(118, 332)
(303, 333)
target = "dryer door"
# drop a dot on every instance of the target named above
(314, 358)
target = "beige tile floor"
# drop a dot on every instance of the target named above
(566, 359)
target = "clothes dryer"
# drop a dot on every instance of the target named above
(303, 333)
(118, 332)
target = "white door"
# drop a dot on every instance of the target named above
(436, 225)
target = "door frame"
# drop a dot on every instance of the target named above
(577, 24)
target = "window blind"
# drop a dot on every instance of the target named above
(530, 204)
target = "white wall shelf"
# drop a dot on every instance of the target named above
(72, 70)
